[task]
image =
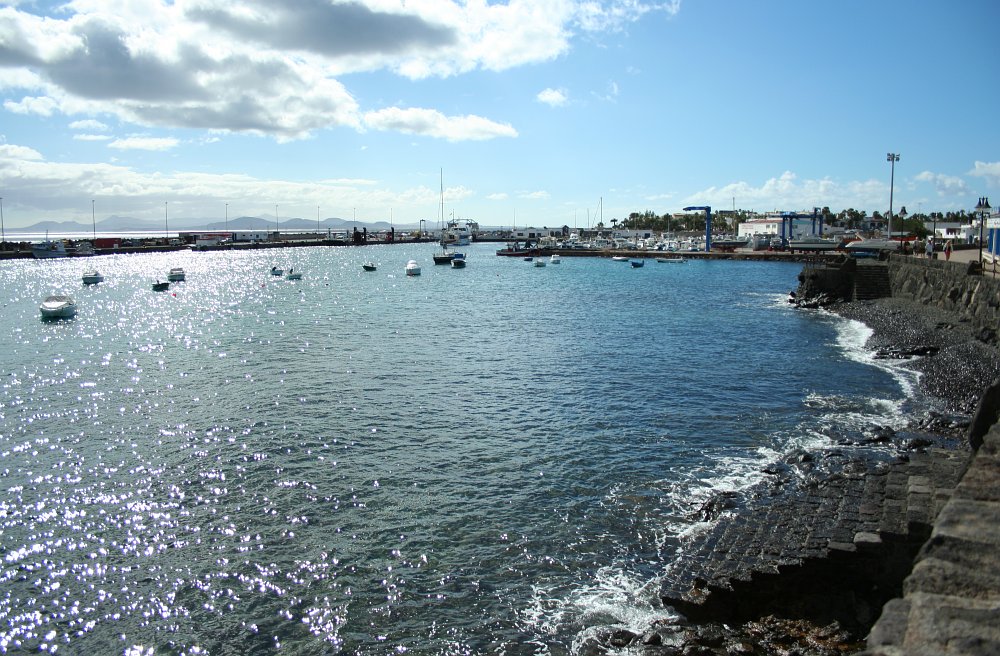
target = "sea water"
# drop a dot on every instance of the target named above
(501, 459)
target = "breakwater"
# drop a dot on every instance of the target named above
(848, 551)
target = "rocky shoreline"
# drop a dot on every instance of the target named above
(804, 564)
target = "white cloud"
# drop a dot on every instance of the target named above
(12, 152)
(91, 137)
(431, 123)
(88, 124)
(497, 196)
(535, 195)
(787, 192)
(988, 170)
(552, 97)
(144, 143)
(265, 68)
(945, 185)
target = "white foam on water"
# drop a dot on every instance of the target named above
(615, 599)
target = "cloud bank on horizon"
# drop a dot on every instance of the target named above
(206, 102)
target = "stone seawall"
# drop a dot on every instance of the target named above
(954, 287)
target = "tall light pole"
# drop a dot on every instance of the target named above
(983, 209)
(166, 226)
(317, 218)
(227, 217)
(892, 158)
(93, 218)
(3, 235)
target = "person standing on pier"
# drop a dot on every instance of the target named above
(947, 250)
(930, 247)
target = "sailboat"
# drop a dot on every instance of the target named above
(444, 257)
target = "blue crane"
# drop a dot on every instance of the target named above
(708, 223)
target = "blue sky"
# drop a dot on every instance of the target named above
(539, 112)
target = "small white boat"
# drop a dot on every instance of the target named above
(671, 260)
(175, 275)
(58, 307)
(555, 259)
(619, 258)
(412, 268)
(275, 271)
(92, 277)
(293, 275)
(539, 262)
(458, 261)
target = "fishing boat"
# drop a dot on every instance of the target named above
(671, 260)
(412, 268)
(368, 266)
(49, 249)
(58, 307)
(293, 275)
(458, 261)
(176, 275)
(619, 258)
(92, 277)
(636, 263)
(275, 271)
(161, 286)
(555, 259)
(539, 262)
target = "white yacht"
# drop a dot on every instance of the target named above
(92, 277)
(176, 275)
(412, 268)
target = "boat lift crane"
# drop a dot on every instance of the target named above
(708, 223)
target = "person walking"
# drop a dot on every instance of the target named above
(947, 250)
(930, 247)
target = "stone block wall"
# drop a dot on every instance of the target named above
(951, 286)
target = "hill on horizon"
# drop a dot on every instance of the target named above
(131, 224)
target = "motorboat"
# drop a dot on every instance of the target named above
(636, 263)
(444, 257)
(58, 307)
(539, 262)
(412, 268)
(368, 266)
(49, 249)
(619, 258)
(92, 277)
(84, 249)
(529, 259)
(555, 259)
(671, 260)
(458, 261)
(161, 286)
(293, 275)
(872, 245)
(175, 275)
(275, 271)
(813, 243)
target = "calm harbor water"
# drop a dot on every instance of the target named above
(495, 460)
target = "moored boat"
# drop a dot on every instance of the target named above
(275, 271)
(458, 261)
(58, 306)
(636, 263)
(176, 275)
(555, 259)
(293, 275)
(369, 266)
(671, 260)
(412, 268)
(619, 258)
(92, 277)
(49, 249)
(539, 262)
(161, 286)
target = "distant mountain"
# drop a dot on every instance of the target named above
(131, 224)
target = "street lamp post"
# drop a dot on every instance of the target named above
(892, 158)
(227, 217)
(3, 235)
(983, 209)
(166, 226)
(93, 219)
